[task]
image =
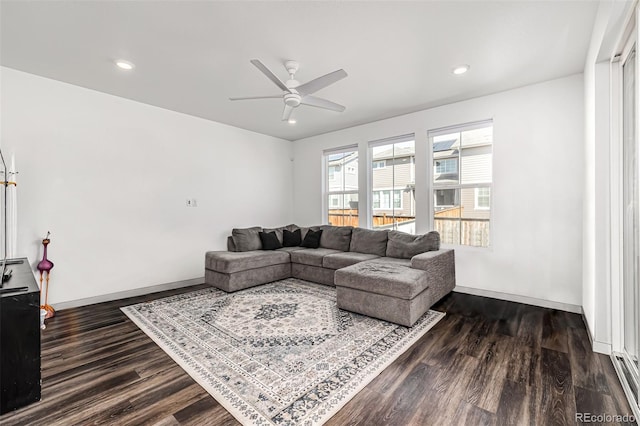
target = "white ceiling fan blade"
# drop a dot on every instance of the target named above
(266, 71)
(321, 82)
(287, 112)
(321, 103)
(256, 97)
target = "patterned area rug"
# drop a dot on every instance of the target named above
(281, 353)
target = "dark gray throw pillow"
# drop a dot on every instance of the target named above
(269, 241)
(291, 239)
(312, 239)
(405, 246)
(305, 229)
(278, 232)
(247, 239)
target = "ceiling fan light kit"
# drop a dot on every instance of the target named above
(295, 94)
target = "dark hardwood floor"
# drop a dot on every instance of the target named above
(487, 362)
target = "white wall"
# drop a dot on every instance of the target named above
(537, 189)
(109, 178)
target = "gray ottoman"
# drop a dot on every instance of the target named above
(386, 290)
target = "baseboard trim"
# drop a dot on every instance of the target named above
(127, 293)
(576, 309)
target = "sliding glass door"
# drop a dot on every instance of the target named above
(631, 223)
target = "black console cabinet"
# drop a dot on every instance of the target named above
(19, 340)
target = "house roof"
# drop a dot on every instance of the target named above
(396, 152)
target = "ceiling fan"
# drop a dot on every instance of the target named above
(294, 93)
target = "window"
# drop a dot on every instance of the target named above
(446, 197)
(483, 198)
(382, 199)
(393, 184)
(462, 179)
(342, 186)
(446, 166)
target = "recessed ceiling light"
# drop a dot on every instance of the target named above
(460, 69)
(125, 65)
(292, 121)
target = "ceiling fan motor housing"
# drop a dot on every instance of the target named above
(292, 99)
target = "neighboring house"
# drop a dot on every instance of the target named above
(393, 182)
(462, 177)
(452, 167)
(342, 175)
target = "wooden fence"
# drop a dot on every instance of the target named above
(452, 229)
(349, 217)
(470, 232)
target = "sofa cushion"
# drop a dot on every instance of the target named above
(229, 262)
(269, 240)
(312, 239)
(387, 278)
(340, 260)
(291, 238)
(311, 257)
(369, 241)
(246, 239)
(405, 246)
(336, 237)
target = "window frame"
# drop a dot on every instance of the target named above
(395, 212)
(327, 192)
(433, 186)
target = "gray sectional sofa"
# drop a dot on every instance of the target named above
(384, 274)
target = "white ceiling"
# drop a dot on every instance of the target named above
(192, 56)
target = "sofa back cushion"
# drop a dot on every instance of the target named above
(369, 242)
(336, 237)
(247, 239)
(404, 246)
